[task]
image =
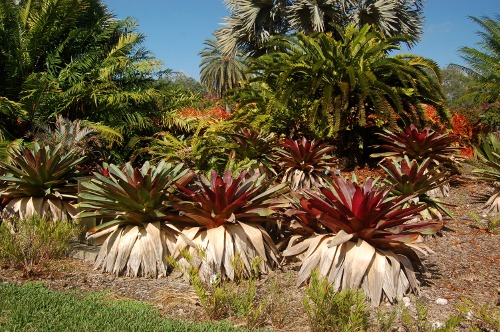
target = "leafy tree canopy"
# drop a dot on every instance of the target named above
(483, 70)
(70, 57)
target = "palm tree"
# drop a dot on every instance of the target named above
(392, 18)
(221, 72)
(252, 22)
(484, 64)
(309, 16)
(348, 82)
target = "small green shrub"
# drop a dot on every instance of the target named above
(481, 317)
(385, 319)
(242, 297)
(490, 224)
(277, 301)
(420, 323)
(214, 296)
(29, 242)
(222, 298)
(214, 299)
(328, 310)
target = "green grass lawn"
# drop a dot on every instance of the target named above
(33, 307)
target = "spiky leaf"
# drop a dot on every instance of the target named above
(131, 196)
(419, 145)
(304, 162)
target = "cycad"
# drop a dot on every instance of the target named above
(340, 83)
(70, 57)
(136, 240)
(40, 180)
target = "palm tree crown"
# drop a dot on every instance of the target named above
(221, 72)
(252, 22)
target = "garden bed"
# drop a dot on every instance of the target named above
(466, 264)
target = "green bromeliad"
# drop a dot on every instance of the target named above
(40, 180)
(406, 177)
(136, 239)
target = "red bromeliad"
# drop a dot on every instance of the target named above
(305, 162)
(368, 239)
(419, 145)
(223, 216)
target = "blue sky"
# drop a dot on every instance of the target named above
(176, 30)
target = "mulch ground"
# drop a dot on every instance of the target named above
(465, 264)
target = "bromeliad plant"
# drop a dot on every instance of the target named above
(489, 153)
(420, 145)
(304, 162)
(367, 241)
(136, 241)
(79, 136)
(256, 148)
(40, 180)
(225, 215)
(407, 177)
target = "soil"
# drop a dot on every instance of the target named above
(465, 265)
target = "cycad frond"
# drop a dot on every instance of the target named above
(347, 82)
(484, 64)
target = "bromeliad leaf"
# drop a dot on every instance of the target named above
(221, 197)
(256, 146)
(136, 201)
(419, 145)
(233, 207)
(304, 162)
(489, 154)
(42, 173)
(406, 177)
(366, 238)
